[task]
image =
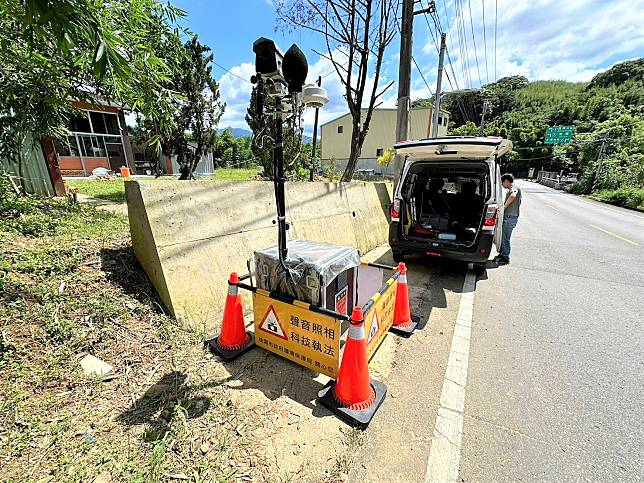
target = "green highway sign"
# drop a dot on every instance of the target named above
(559, 134)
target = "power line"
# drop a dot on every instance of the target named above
(421, 74)
(487, 75)
(474, 40)
(438, 25)
(460, 31)
(431, 30)
(469, 103)
(231, 73)
(496, 18)
(459, 102)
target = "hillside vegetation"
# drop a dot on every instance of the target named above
(610, 107)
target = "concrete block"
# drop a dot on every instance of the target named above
(189, 235)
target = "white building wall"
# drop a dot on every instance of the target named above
(381, 136)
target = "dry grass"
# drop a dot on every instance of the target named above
(169, 411)
(164, 410)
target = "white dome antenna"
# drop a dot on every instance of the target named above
(314, 96)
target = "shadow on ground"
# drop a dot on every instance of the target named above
(123, 269)
(160, 404)
(275, 376)
(429, 279)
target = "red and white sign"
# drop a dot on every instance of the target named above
(341, 299)
(272, 325)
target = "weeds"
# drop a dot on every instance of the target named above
(73, 286)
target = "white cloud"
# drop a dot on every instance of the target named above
(235, 92)
(547, 39)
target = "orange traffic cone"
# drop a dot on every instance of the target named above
(404, 323)
(354, 397)
(233, 340)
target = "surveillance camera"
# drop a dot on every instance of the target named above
(314, 96)
(268, 60)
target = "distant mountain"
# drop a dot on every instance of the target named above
(238, 132)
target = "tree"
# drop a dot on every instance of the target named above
(261, 126)
(263, 135)
(387, 157)
(197, 112)
(52, 51)
(357, 33)
(467, 129)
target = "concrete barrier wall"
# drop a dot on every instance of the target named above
(189, 235)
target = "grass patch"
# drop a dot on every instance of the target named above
(231, 174)
(626, 197)
(70, 285)
(109, 190)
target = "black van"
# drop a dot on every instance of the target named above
(448, 202)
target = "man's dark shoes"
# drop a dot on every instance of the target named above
(501, 260)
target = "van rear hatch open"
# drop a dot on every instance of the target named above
(453, 148)
(448, 188)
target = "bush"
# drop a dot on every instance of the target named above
(628, 197)
(575, 189)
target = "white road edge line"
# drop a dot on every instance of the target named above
(445, 453)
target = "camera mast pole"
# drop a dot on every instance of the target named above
(278, 181)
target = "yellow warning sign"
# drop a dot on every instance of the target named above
(380, 317)
(296, 333)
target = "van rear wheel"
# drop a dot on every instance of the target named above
(479, 268)
(398, 256)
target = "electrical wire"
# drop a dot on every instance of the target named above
(431, 93)
(431, 30)
(464, 36)
(496, 19)
(487, 75)
(231, 73)
(469, 4)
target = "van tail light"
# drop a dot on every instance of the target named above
(491, 214)
(395, 210)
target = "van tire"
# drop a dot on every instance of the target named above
(479, 268)
(398, 256)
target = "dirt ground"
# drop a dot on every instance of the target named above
(169, 410)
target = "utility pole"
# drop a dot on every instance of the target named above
(600, 158)
(315, 135)
(482, 133)
(439, 81)
(404, 81)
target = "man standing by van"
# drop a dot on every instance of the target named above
(510, 216)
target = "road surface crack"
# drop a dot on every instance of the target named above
(505, 428)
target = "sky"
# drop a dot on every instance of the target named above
(541, 39)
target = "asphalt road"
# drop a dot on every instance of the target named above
(556, 376)
(555, 379)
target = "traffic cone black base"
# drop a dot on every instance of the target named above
(358, 418)
(230, 354)
(405, 330)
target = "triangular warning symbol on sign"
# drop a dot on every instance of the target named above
(272, 325)
(374, 327)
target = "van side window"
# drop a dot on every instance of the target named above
(379, 152)
(340, 128)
